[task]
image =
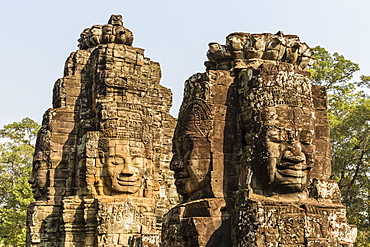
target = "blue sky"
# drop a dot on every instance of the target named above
(38, 36)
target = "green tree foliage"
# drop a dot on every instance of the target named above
(332, 71)
(16, 151)
(349, 116)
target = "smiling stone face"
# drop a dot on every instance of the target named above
(284, 151)
(278, 122)
(124, 168)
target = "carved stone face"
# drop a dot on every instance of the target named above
(40, 176)
(236, 42)
(274, 49)
(214, 47)
(123, 171)
(256, 47)
(283, 152)
(191, 162)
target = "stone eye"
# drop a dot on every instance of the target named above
(275, 135)
(119, 161)
(306, 142)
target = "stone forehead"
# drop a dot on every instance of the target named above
(284, 113)
(120, 142)
(290, 117)
(125, 146)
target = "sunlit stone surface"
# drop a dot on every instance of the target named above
(250, 160)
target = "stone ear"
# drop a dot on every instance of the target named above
(101, 157)
(202, 117)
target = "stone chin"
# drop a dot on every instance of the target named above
(186, 186)
(288, 188)
(290, 184)
(180, 186)
(39, 183)
(192, 189)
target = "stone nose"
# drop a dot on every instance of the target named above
(127, 167)
(294, 153)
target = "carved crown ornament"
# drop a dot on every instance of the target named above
(243, 50)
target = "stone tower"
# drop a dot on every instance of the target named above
(252, 151)
(101, 168)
